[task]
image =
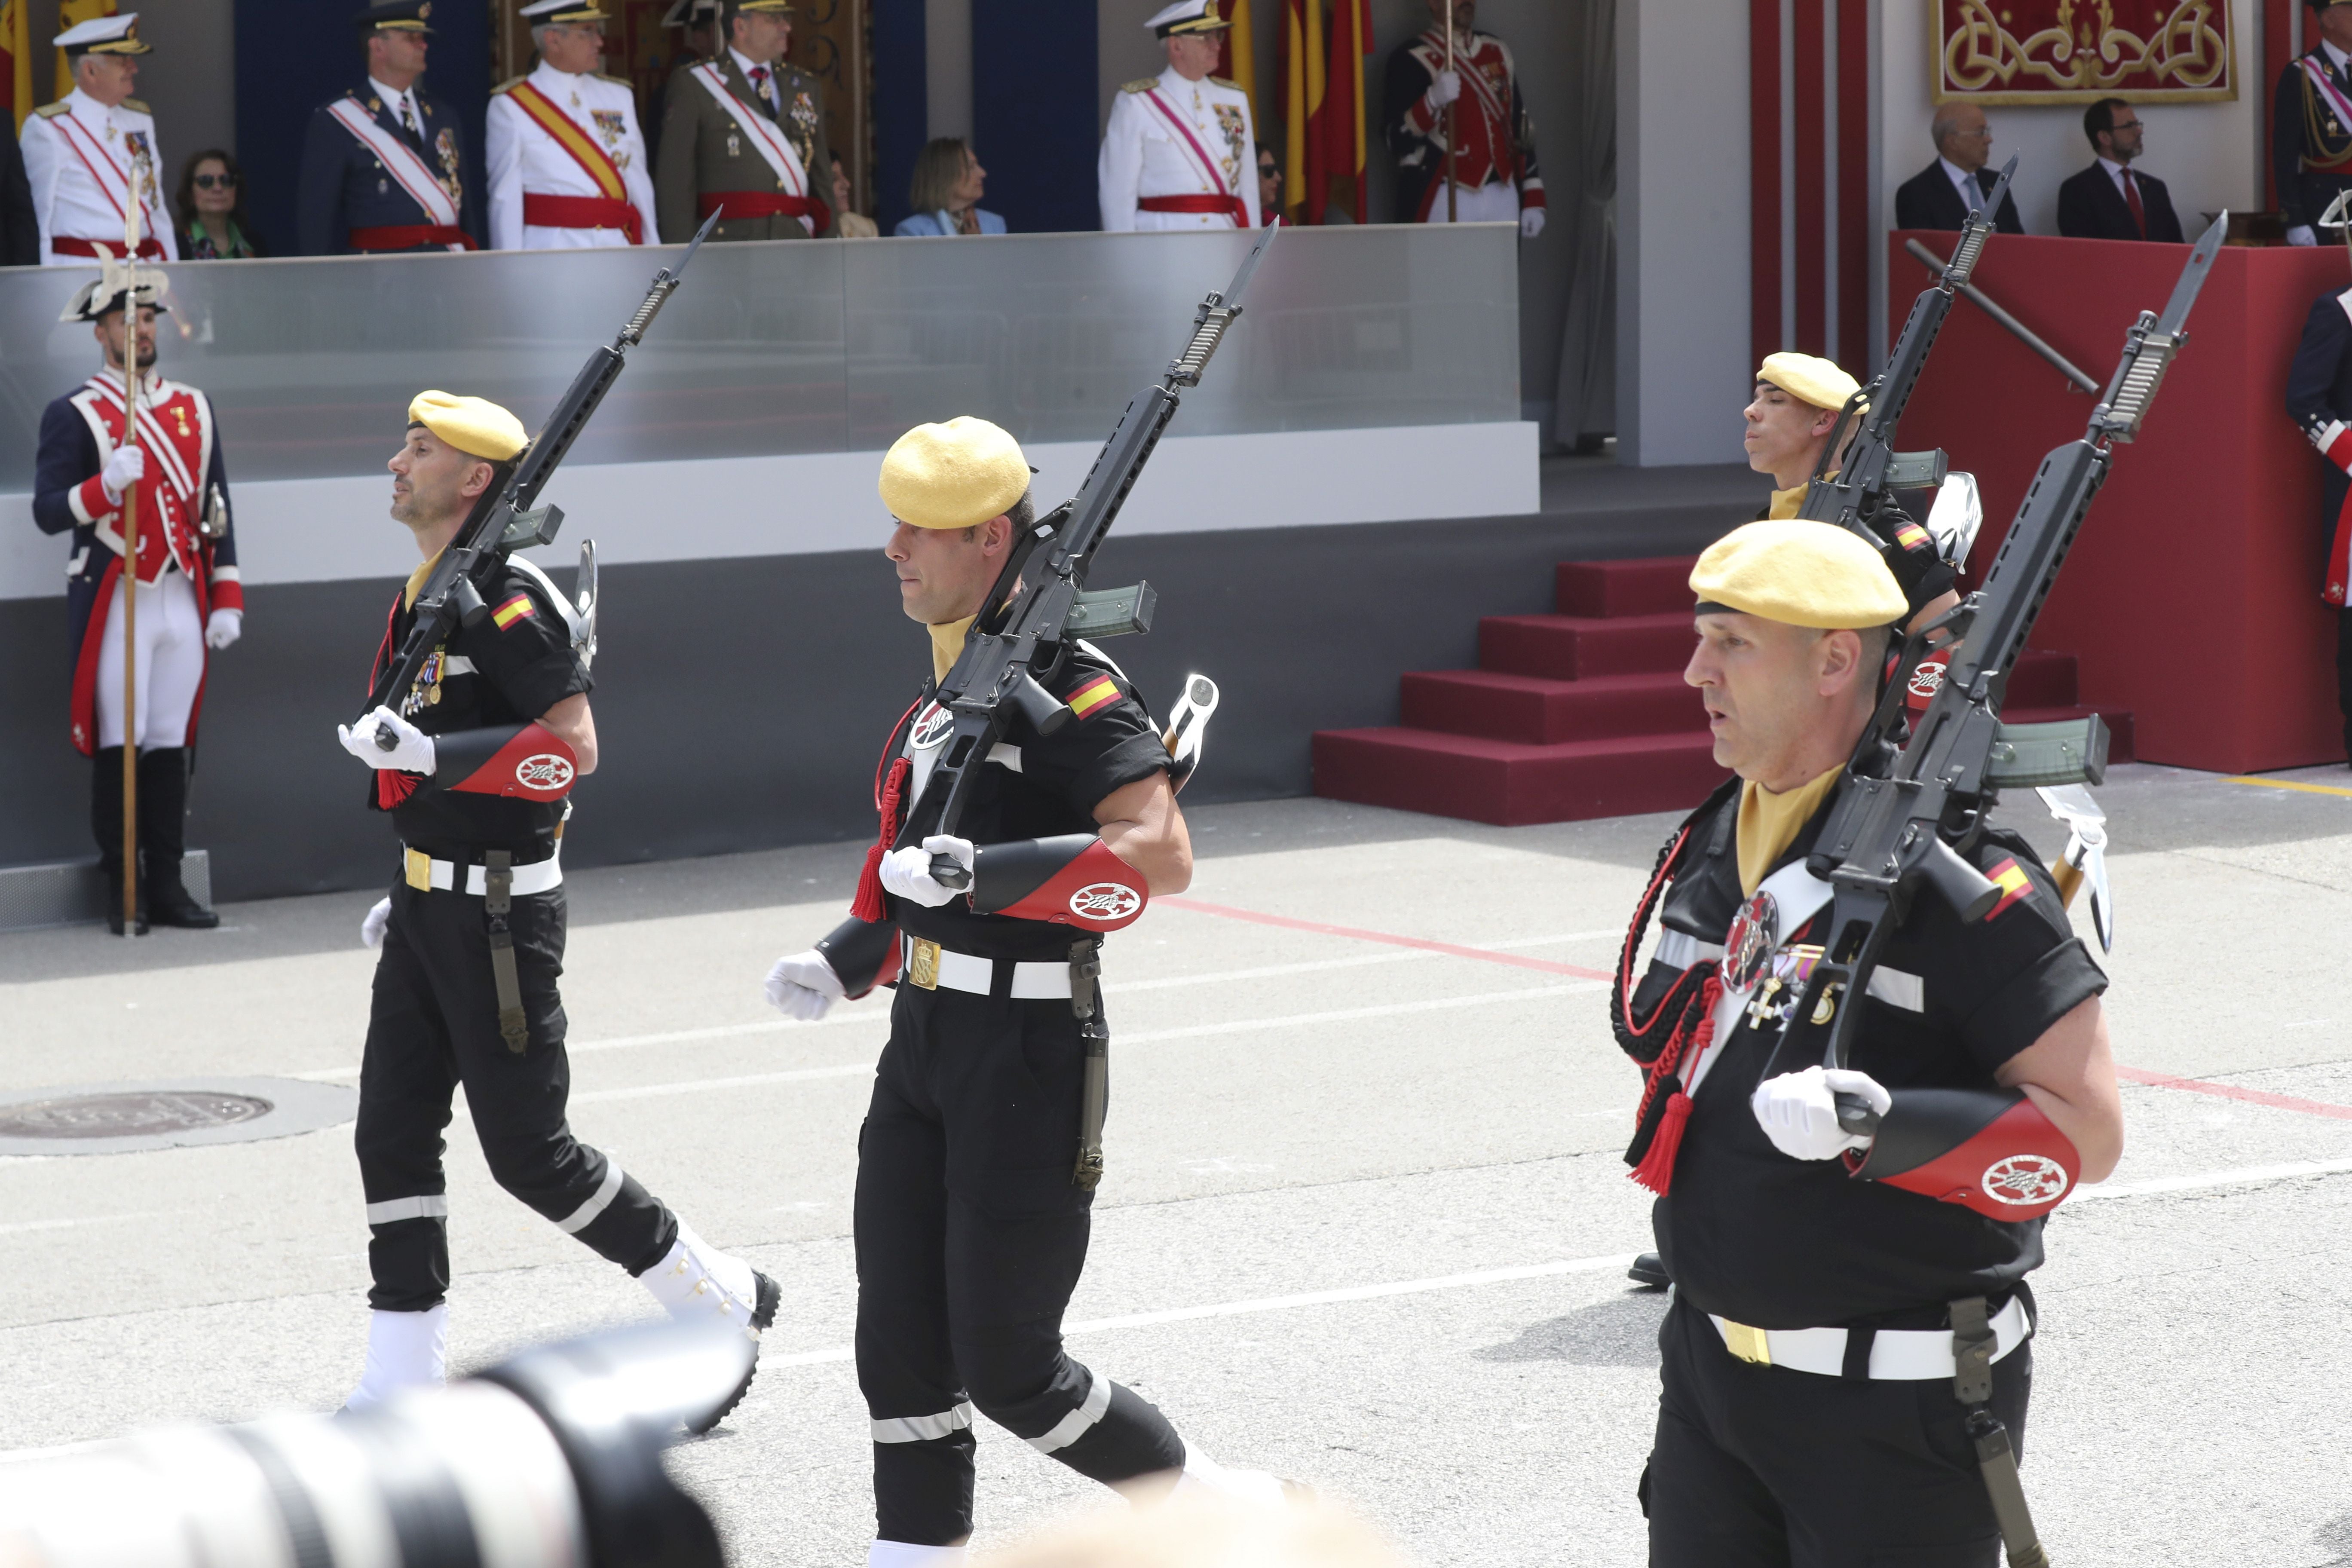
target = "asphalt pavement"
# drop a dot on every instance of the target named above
(1365, 1217)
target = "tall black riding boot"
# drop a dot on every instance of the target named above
(106, 826)
(162, 840)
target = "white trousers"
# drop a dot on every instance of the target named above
(171, 654)
(1492, 203)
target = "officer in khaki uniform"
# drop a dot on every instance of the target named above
(744, 136)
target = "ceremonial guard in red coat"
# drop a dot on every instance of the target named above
(1494, 170)
(972, 1215)
(189, 596)
(2319, 399)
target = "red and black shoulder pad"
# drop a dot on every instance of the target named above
(1990, 1150)
(863, 954)
(523, 760)
(1072, 880)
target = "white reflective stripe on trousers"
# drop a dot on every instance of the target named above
(428, 1205)
(924, 1429)
(584, 1216)
(1078, 1421)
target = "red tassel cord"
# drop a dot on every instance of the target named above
(1680, 1027)
(869, 905)
(1655, 1169)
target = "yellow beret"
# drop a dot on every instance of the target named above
(1809, 379)
(476, 427)
(953, 475)
(1799, 574)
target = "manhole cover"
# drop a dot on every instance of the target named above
(169, 1114)
(130, 1113)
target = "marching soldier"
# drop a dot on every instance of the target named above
(744, 136)
(970, 1222)
(1493, 169)
(1178, 151)
(1842, 1345)
(488, 739)
(81, 153)
(2311, 123)
(189, 598)
(567, 163)
(2319, 399)
(385, 167)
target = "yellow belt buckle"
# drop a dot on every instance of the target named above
(416, 867)
(923, 964)
(1748, 1345)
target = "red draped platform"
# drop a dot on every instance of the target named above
(2192, 597)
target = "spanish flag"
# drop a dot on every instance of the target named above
(2013, 882)
(513, 610)
(1237, 63)
(1304, 186)
(70, 14)
(1343, 104)
(1094, 695)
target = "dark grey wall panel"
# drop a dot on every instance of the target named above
(741, 703)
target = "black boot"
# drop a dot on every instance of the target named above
(1649, 1271)
(162, 840)
(106, 826)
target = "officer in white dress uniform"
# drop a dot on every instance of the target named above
(79, 151)
(568, 165)
(1181, 152)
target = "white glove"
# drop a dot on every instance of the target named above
(908, 872)
(802, 986)
(1531, 221)
(2302, 234)
(1445, 89)
(413, 756)
(222, 628)
(1798, 1111)
(129, 464)
(379, 916)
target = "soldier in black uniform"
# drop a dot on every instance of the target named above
(488, 739)
(970, 1219)
(1814, 1407)
(2311, 123)
(2320, 398)
(386, 167)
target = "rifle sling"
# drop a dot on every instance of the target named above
(498, 903)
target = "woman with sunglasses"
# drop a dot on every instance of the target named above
(211, 204)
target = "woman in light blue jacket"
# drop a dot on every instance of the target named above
(945, 193)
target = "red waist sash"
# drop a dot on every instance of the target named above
(582, 212)
(150, 249)
(1231, 206)
(409, 236)
(765, 204)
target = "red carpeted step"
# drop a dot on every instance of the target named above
(1511, 784)
(1657, 585)
(1577, 648)
(1534, 711)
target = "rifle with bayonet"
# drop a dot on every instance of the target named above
(1859, 465)
(1040, 602)
(505, 517)
(1908, 806)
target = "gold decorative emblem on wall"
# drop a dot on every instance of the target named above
(2070, 51)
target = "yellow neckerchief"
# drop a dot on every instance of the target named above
(1786, 502)
(417, 581)
(947, 641)
(1769, 823)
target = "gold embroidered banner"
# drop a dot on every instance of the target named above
(2072, 51)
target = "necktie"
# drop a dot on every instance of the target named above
(759, 85)
(2131, 200)
(407, 115)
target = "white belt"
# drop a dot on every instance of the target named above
(1901, 1355)
(426, 874)
(930, 967)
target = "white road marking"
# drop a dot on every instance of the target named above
(19, 1227)
(748, 1080)
(2243, 1176)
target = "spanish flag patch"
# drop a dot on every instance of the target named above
(1911, 536)
(2013, 882)
(513, 610)
(1095, 693)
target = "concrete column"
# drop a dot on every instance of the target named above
(1682, 232)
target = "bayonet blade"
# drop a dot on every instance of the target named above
(1231, 299)
(712, 222)
(2192, 277)
(1991, 208)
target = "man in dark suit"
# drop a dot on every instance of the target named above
(20, 228)
(2111, 200)
(1931, 198)
(2319, 399)
(385, 167)
(2311, 123)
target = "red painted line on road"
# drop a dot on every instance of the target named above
(1481, 954)
(2231, 1091)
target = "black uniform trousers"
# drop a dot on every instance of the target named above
(434, 1025)
(1762, 1465)
(971, 1237)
